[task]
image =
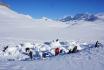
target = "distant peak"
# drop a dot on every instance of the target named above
(46, 19)
(80, 16)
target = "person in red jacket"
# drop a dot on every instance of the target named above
(57, 51)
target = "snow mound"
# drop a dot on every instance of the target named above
(40, 50)
(87, 58)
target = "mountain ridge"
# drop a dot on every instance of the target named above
(82, 16)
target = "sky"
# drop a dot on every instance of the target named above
(55, 9)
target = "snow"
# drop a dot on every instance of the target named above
(55, 44)
(73, 44)
(89, 58)
(17, 29)
(16, 26)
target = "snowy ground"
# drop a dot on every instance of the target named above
(88, 59)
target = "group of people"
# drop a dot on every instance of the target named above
(54, 49)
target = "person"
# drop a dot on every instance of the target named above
(55, 47)
(27, 49)
(61, 51)
(57, 51)
(31, 54)
(57, 40)
(5, 48)
(97, 44)
(44, 54)
(74, 50)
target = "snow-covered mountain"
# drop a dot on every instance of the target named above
(82, 16)
(16, 26)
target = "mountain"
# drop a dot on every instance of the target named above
(67, 18)
(18, 26)
(81, 16)
(14, 25)
(86, 17)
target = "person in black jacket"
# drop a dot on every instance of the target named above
(97, 44)
(74, 49)
(31, 54)
(5, 48)
(27, 49)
